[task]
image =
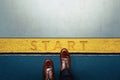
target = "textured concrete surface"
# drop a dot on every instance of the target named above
(59, 18)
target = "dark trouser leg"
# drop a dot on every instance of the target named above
(66, 75)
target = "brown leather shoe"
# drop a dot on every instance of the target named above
(65, 59)
(48, 70)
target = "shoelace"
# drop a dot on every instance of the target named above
(48, 70)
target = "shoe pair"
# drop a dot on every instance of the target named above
(48, 70)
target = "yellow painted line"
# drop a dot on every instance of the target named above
(54, 45)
